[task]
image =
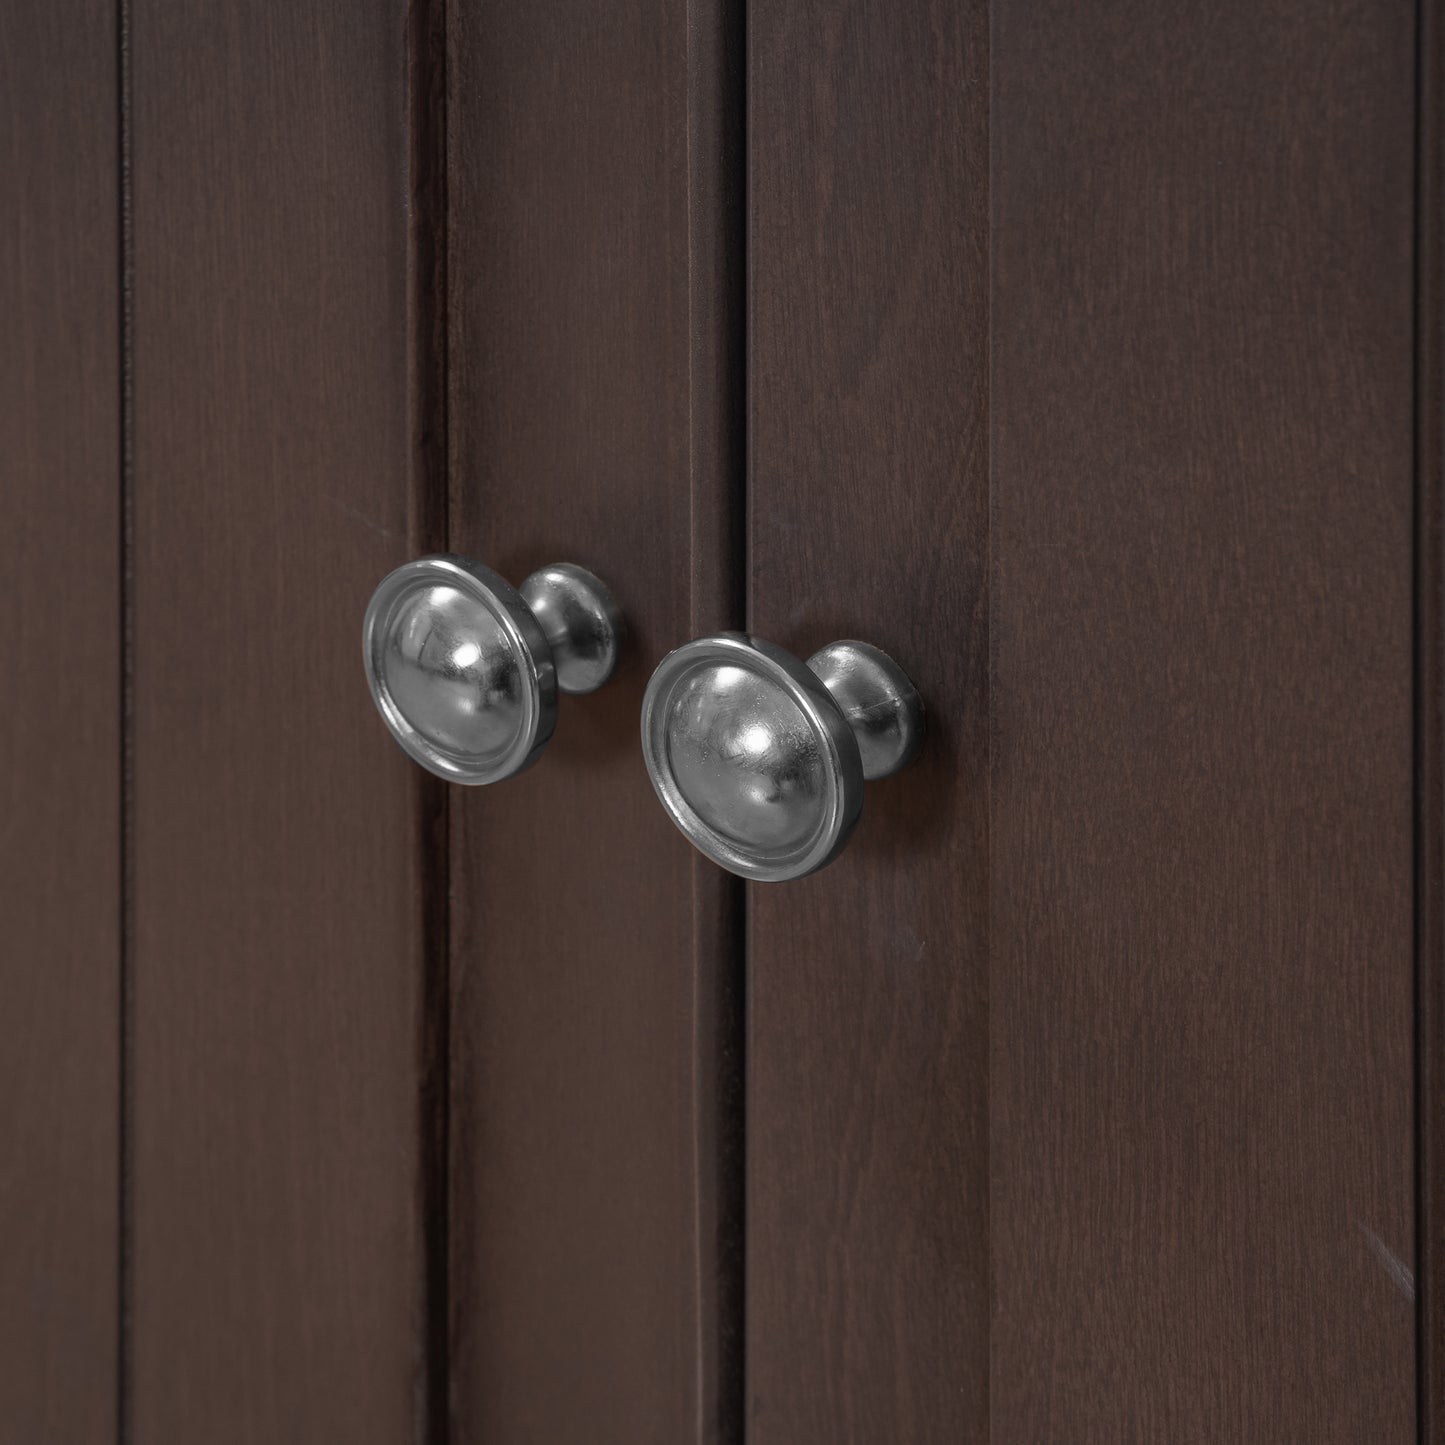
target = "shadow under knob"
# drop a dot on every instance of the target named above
(465, 668)
(760, 759)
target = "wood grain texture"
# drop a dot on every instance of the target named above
(1202, 998)
(60, 741)
(867, 1278)
(1430, 714)
(594, 359)
(279, 928)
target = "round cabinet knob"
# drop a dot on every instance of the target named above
(465, 668)
(761, 760)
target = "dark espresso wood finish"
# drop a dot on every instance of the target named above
(867, 1279)
(593, 385)
(60, 723)
(278, 1265)
(1087, 357)
(1430, 713)
(1201, 1110)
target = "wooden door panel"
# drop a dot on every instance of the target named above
(277, 1046)
(1087, 360)
(593, 418)
(60, 724)
(868, 493)
(1430, 712)
(1201, 910)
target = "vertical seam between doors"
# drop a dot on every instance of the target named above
(428, 531)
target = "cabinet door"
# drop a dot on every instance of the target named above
(868, 489)
(1081, 1088)
(594, 967)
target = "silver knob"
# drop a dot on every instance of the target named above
(761, 760)
(465, 668)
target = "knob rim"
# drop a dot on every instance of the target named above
(841, 772)
(526, 647)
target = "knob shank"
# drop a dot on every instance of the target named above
(580, 622)
(880, 703)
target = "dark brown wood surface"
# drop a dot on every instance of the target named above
(277, 1287)
(1201, 906)
(1094, 361)
(593, 361)
(60, 738)
(1430, 715)
(867, 1215)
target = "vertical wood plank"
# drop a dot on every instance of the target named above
(594, 179)
(1430, 712)
(1202, 996)
(279, 928)
(60, 738)
(867, 1279)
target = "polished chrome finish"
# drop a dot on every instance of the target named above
(466, 669)
(760, 760)
(580, 621)
(882, 706)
